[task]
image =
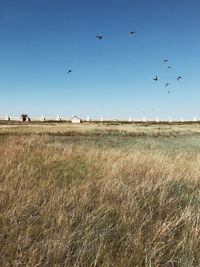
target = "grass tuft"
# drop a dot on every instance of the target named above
(74, 202)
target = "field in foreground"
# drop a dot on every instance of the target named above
(104, 198)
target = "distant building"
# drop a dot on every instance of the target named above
(144, 119)
(42, 118)
(75, 119)
(88, 118)
(169, 120)
(7, 118)
(58, 118)
(24, 117)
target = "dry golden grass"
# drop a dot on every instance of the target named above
(70, 204)
(134, 129)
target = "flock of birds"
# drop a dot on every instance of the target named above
(100, 36)
(165, 61)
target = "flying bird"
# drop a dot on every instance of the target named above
(100, 36)
(167, 84)
(131, 33)
(165, 60)
(156, 79)
(179, 77)
(168, 92)
(69, 71)
(169, 67)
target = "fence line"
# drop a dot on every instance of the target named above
(75, 119)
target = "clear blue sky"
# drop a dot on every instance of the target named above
(41, 39)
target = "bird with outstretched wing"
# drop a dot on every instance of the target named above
(99, 36)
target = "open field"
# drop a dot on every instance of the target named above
(93, 129)
(100, 195)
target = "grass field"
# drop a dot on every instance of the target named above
(100, 195)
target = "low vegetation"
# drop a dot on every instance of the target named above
(99, 201)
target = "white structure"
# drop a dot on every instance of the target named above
(182, 120)
(195, 119)
(130, 119)
(15, 118)
(157, 119)
(42, 118)
(58, 118)
(144, 119)
(169, 119)
(7, 118)
(101, 119)
(88, 118)
(75, 119)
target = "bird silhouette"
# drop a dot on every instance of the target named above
(156, 79)
(167, 84)
(168, 92)
(100, 36)
(179, 77)
(165, 60)
(69, 71)
(169, 67)
(131, 33)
